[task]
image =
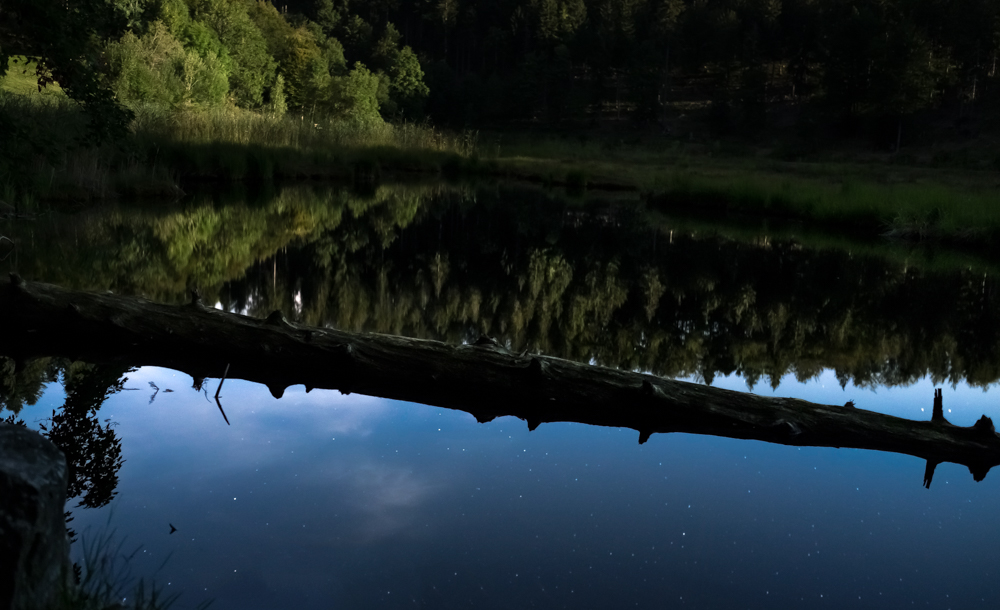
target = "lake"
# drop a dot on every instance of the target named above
(322, 499)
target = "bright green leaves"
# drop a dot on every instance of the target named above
(306, 70)
(156, 68)
(356, 96)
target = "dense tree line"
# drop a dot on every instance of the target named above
(204, 53)
(466, 62)
(553, 59)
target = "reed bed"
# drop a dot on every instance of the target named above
(49, 160)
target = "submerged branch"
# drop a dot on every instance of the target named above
(483, 379)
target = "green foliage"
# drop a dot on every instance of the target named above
(408, 87)
(175, 14)
(277, 103)
(356, 96)
(253, 67)
(329, 15)
(63, 36)
(308, 74)
(20, 386)
(404, 91)
(21, 79)
(156, 68)
(551, 60)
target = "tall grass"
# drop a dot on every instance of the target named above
(232, 144)
(105, 580)
(301, 131)
(903, 210)
(47, 156)
(902, 202)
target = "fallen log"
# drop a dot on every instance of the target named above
(483, 378)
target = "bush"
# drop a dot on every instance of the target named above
(157, 69)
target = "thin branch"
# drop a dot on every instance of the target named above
(219, 389)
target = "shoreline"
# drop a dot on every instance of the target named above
(168, 149)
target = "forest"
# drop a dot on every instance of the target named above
(822, 66)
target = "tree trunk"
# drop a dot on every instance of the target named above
(483, 379)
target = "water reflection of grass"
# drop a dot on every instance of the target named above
(930, 257)
(908, 202)
(950, 210)
(105, 581)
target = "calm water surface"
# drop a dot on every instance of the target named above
(322, 500)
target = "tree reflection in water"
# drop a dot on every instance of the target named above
(601, 282)
(605, 282)
(92, 448)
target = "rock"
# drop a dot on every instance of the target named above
(34, 549)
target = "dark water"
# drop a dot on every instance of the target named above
(322, 500)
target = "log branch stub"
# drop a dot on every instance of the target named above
(276, 318)
(938, 414)
(984, 426)
(979, 471)
(929, 472)
(537, 370)
(277, 390)
(652, 393)
(485, 341)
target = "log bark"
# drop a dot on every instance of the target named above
(483, 379)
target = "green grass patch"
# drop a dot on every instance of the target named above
(21, 79)
(899, 201)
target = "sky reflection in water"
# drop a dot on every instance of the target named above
(321, 500)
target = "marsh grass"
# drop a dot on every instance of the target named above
(766, 233)
(165, 147)
(959, 208)
(105, 579)
(931, 209)
(168, 146)
(233, 144)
